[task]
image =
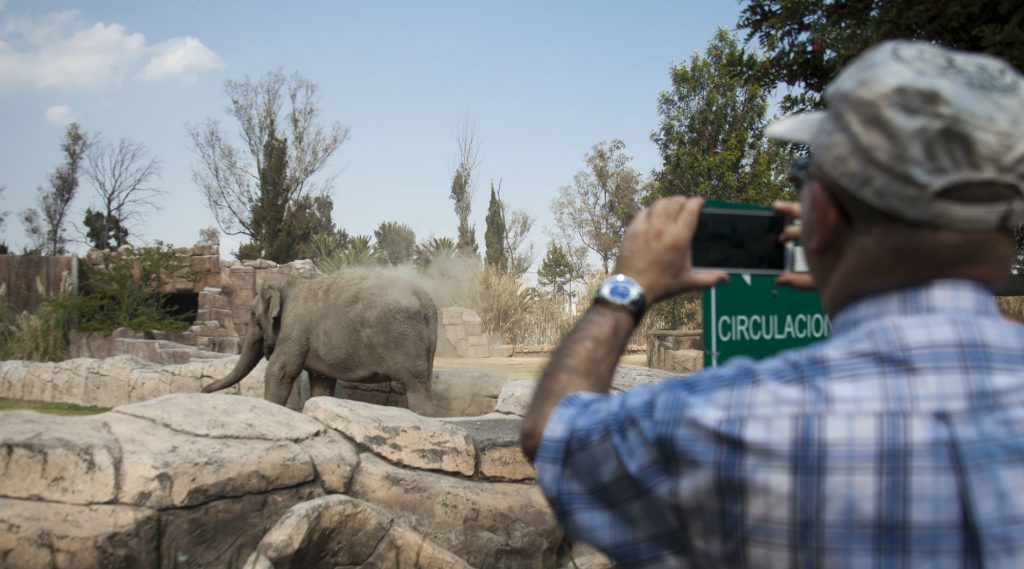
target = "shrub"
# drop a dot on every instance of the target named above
(42, 336)
(125, 291)
(518, 315)
(1012, 307)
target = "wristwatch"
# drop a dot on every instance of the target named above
(620, 290)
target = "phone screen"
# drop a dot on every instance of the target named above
(739, 241)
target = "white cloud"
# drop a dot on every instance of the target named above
(59, 115)
(180, 57)
(62, 51)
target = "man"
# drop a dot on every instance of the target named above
(897, 442)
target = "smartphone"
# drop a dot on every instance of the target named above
(742, 241)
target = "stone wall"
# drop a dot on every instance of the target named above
(461, 335)
(201, 261)
(27, 279)
(240, 280)
(677, 351)
(224, 292)
(152, 370)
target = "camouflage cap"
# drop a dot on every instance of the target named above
(906, 121)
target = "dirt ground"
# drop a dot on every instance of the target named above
(520, 367)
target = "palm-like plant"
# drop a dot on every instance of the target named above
(358, 253)
(433, 249)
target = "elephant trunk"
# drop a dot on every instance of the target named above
(252, 353)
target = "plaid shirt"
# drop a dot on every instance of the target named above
(898, 442)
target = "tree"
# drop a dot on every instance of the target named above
(120, 175)
(807, 43)
(104, 231)
(558, 271)
(604, 197)
(462, 185)
(3, 219)
(517, 228)
(394, 243)
(494, 236)
(253, 188)
(327, 250)
(209, 236)
(711, 136)
(46, 226)
(268, 213)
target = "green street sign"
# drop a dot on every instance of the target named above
(750, 316)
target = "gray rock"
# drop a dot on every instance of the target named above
(162, 468)
(515, 397)
(338, 531)
(225, 416)
(398, 435)
(225, 532)
(497, 441)
(63, 536)
(72, 460)
(493, 525)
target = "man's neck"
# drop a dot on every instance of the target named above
(871, 268)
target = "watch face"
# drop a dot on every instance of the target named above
(623, 291)
(620, 291)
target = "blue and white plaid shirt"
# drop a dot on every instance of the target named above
(896, 443)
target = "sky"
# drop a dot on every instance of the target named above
(540, 81)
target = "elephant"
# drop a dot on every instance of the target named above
(355, 325)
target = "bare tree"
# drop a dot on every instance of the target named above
(121, 177)
(462, 182)
(287, 145)
(518, 224)
(596, 209)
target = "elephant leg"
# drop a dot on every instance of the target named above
(418, 399)
(321, 385)
(279, 379)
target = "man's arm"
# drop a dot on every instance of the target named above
(655, 253)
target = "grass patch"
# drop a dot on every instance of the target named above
(51, 408)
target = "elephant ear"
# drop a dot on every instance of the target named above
(272, 303)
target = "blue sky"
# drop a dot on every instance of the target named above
(541, 81)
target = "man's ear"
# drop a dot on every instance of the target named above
(825, 218)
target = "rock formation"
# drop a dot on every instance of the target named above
(193, 480)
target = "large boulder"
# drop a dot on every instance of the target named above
(338, 531)
(63, 536)
(489, 524)
(515, 397)
(117, 381)
(399, 435)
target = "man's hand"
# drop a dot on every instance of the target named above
(792, 232)
(656, 249)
